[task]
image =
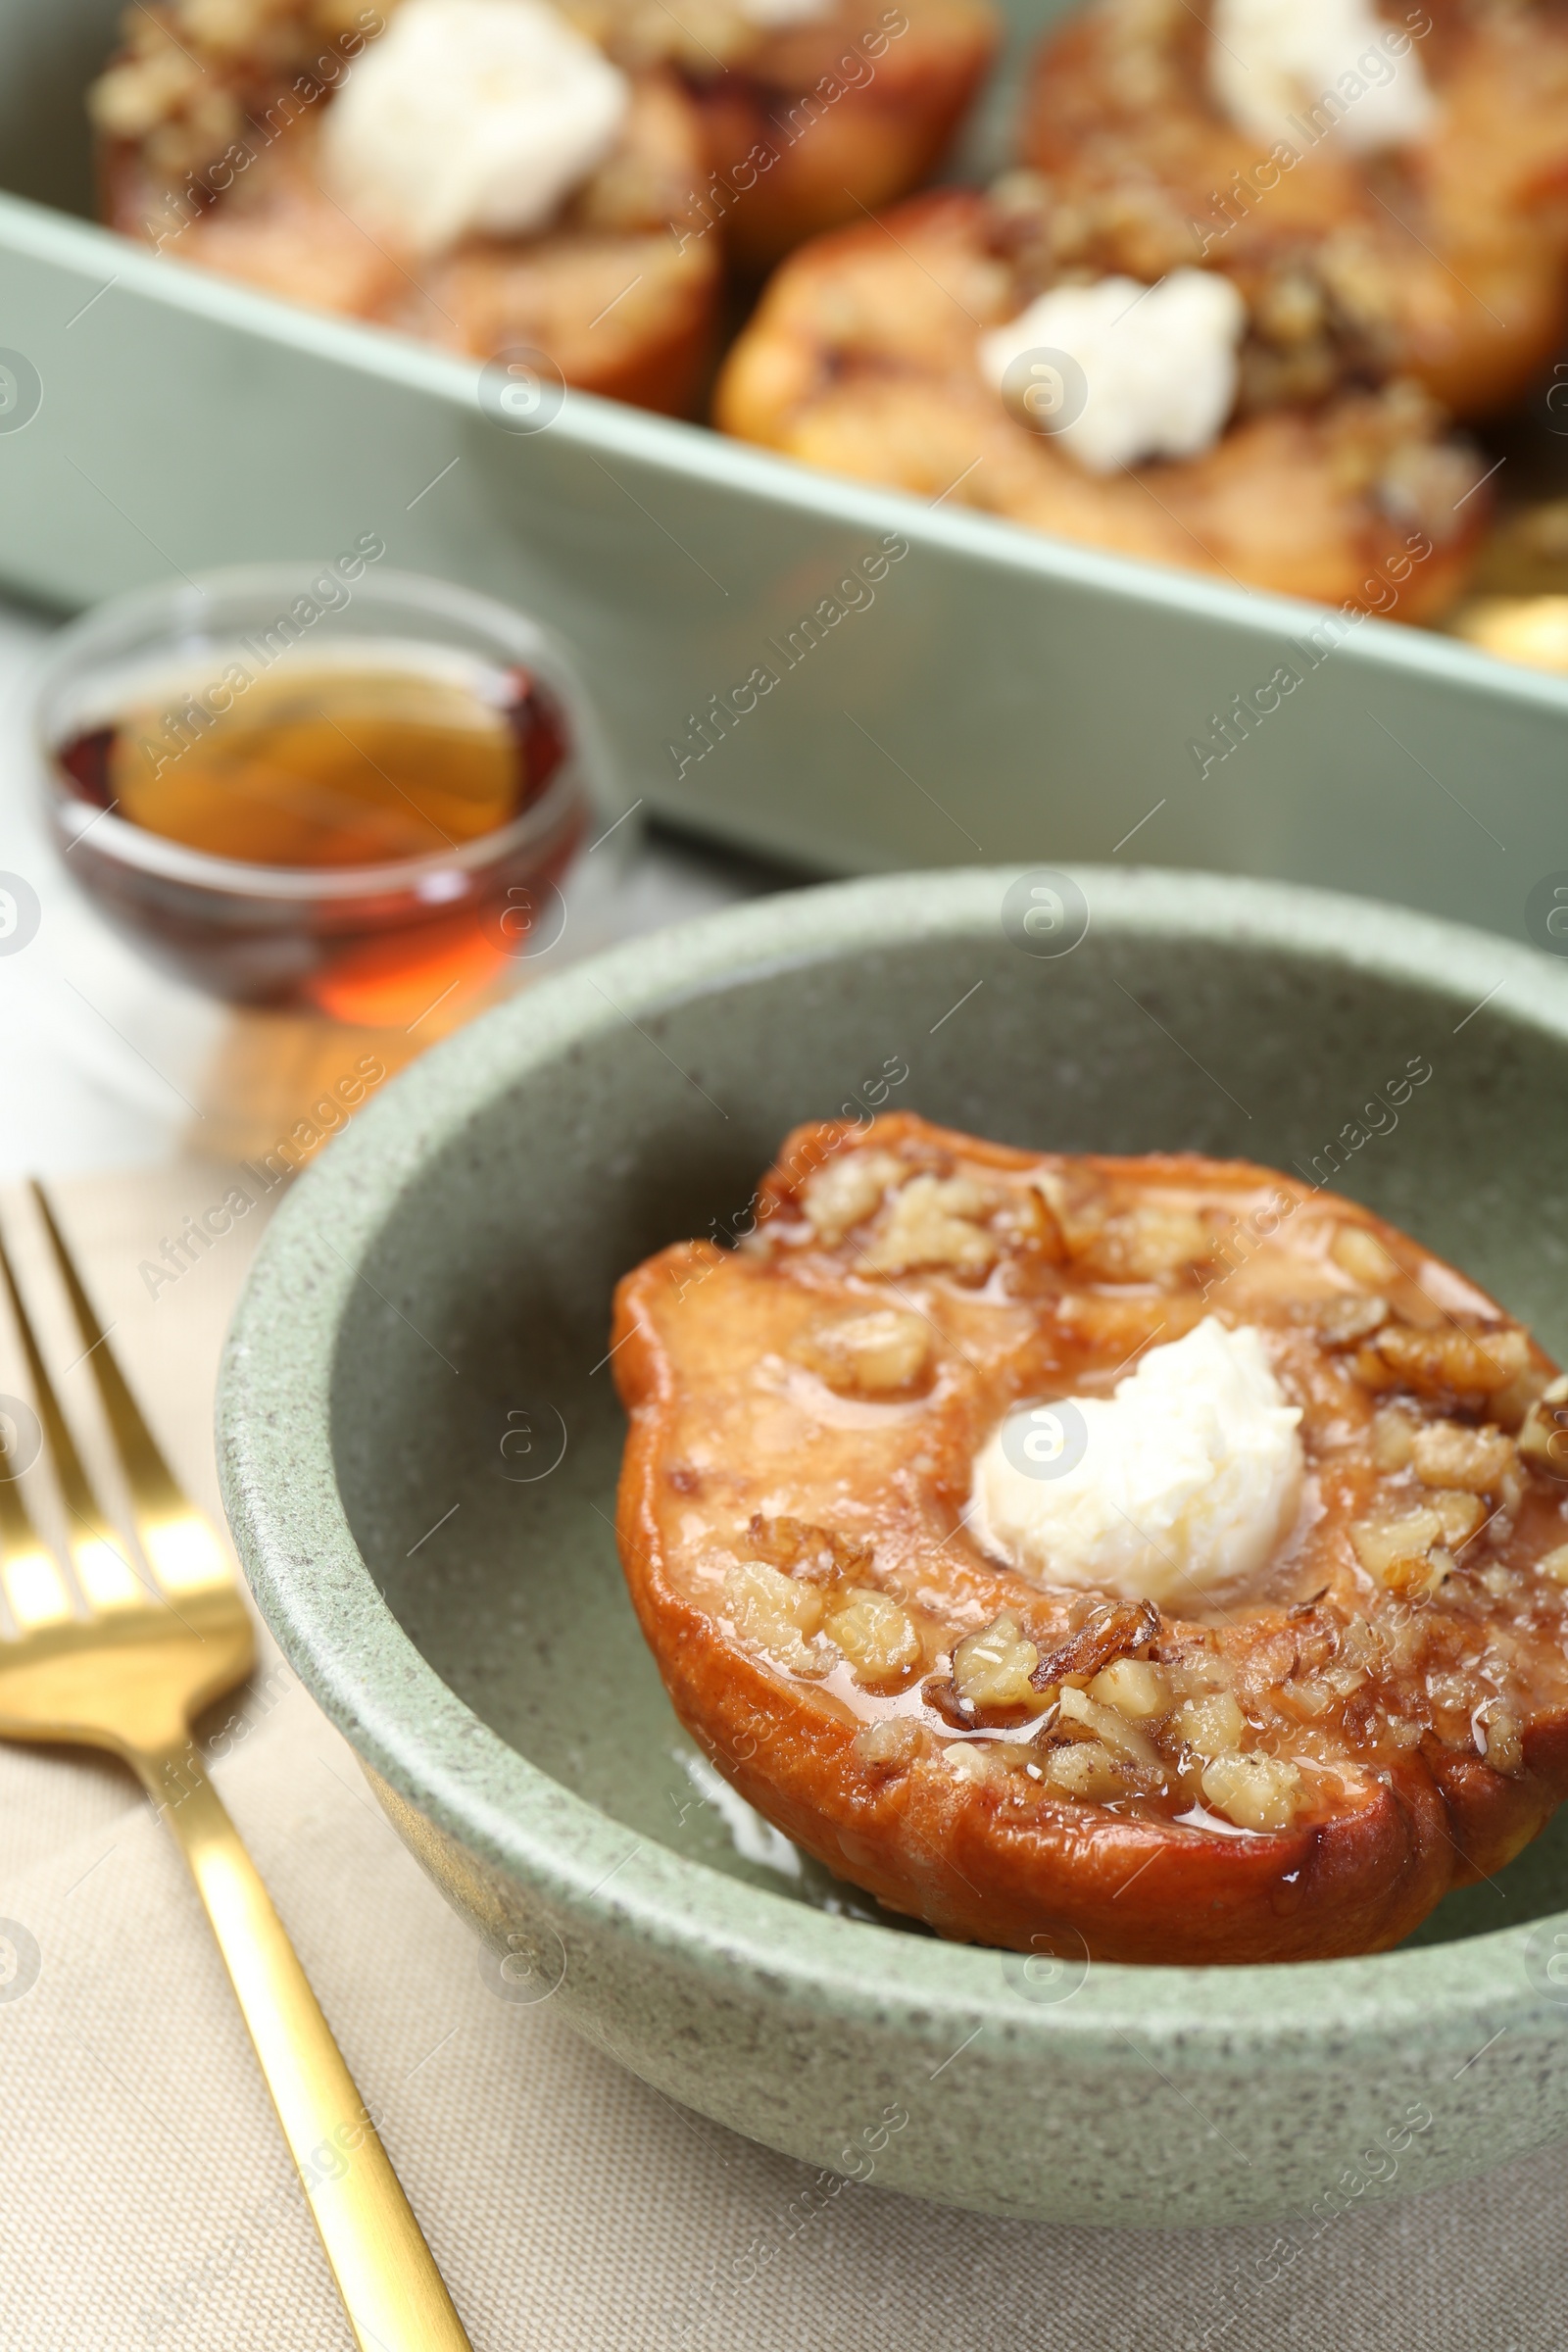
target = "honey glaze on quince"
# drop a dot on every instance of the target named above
(806, 1414)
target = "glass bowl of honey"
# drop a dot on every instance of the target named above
(324, 788)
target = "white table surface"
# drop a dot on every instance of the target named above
(76, 1096)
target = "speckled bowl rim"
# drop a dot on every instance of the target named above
(322, 1603)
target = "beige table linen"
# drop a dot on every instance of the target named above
(147, 2200)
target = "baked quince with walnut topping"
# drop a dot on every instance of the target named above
(948, 349)
(1157, 1552)
(1392, 180)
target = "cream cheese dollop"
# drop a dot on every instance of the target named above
(1323, 63)
(471, 118)
(1178, 1488)
(1151, 370)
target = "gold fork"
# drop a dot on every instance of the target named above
(126, 1661)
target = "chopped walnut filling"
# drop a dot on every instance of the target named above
(191, 72)
(934, 1218)
(1134, 1731)
(1123, 1740)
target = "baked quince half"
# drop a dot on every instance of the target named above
(1392, 175)
(1159, 1557)
(814, 111)
(902, 350)
(471, 172)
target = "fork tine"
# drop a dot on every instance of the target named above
(35, 1590)
(33, 1586)
(32, 1582)
(185, 1553)
(107, 1578)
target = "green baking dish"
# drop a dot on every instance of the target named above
(987, 693)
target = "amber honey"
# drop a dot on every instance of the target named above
(346, 830)
(332, 766)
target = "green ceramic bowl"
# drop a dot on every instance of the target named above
(420, 1440)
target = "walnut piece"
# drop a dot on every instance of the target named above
(1393, 1439)
(876, 1355)
(847, 1191)
(1087, 1771)
(1212, 1726)
(1436, 1364)
(1461, 1514)
(1256, 1792)
(992, 1668)
(1145, 1243)
(1381, 1542)
(1344, 1321)
(892, 1743)
(973, 1760)
(1135, 1688)
(814, 1554)
(1112, 1630)
(1510, 1407)
(1503, 1740)
(933, 1222)
(878, 1637)
(1078, 1712)
(130, 100)
(1362, 1257)
(1032, 1224)
(1408, 1552)
(229, 27)
(1447, 1454)
(774, 1613)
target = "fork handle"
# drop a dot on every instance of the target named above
(395, 2297)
